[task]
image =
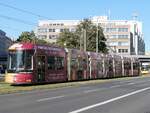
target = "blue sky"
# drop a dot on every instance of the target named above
(72, 9)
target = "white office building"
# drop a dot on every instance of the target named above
(123, 36)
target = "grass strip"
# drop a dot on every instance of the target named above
(7, 88)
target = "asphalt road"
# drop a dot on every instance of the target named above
(119, 96)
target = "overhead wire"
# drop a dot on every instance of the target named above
(22, 10)
(17, 20)
(8, 27)
(20, 20)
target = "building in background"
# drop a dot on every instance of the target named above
(49, 29)
(124, 37)
(5, 42)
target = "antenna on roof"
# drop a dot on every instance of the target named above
(109, 14)
(135, 15)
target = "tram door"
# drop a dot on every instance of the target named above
(41, 68)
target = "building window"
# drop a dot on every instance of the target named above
(119, 50)
(51, 30)
(53, 36)
(126, 50)
(42, 36)
(62, 24)
(122, 36)
(123, 44)
(111, 29)
(113, 44)
(114, 36)
(61, 30)
(42, 30)
(119, 44)
(122, 29)
(122, 50)
(50, 37)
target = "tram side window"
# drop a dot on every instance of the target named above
(110, 65)
(135, 65)
(73, 63)
(84, 63)
(59, 63)
(129, 65)
(29, 59)
(51, 62)
(99, 65)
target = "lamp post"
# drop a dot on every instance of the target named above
(97, 37)
(97, 40)
(84, 33)
(81, 36)
(83, 40)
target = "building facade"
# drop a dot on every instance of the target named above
(124, 37)
(49, 30)
(5, 42)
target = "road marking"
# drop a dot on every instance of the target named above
(92, 90)
(124, 82)
(131, 83)
(108, 101)
(116, 86)
(51, 98)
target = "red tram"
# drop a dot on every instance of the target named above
(31, 63)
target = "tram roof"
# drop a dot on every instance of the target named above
(21, 46)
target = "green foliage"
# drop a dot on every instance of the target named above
(75, 39)
(68, 39)
(26, 37)
(30, 37)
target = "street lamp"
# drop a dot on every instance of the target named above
(97, 37)
(97, 40)
(83, 40)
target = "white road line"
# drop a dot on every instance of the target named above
(51, 98)
(92, 90)
(115, 86)
(108, 101)
(131, 83)
(123, 82)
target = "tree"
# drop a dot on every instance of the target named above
(30, 37)
(76, 39)
(68, 39)
(26, 37)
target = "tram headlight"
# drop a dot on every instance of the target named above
(28, 80)
(15, 79)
